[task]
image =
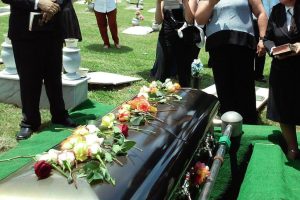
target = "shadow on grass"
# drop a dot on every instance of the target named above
(146, 75)
(112, 49)
(93, 87)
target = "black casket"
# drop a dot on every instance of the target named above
(153, 173)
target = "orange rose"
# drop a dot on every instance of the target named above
(177, 86)
(143, 105)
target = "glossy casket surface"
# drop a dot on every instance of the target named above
(148, 174)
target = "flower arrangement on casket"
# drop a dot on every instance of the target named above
(139, 110)
(161, 92)
(86, 152)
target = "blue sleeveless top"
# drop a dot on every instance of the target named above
(231, 23)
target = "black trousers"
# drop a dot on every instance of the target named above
(177, 53)
(39, 61)
(234, 79)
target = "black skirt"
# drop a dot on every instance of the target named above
(284, 91)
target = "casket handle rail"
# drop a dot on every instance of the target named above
(231, 124)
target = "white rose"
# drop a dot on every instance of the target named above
(94, 149)
(66, 156)
(92, 128)
(92, 138)
(153, 84)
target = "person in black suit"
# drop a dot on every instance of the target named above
(284, 93)
(38, 56)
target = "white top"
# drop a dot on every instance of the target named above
(289, 14)
(104, 6)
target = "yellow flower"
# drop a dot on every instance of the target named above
(81, 130)
(81, 151)
(107, 121)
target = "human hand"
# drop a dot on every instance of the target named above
(261, 50)
(46, 17)
(297, 44)
(49, 6)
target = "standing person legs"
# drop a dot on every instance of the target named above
(186, 55)
(28, 66)
(52, 79)
(102, 25)
(233, 75)
(113, 27)
(290, 137)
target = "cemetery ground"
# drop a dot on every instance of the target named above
(135, 58)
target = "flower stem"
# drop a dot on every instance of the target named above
(17, 157)
(59, 170)
(148, 114)
(138, 129)
(117, 161)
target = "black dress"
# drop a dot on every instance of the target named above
(284, 92)
(178, 53)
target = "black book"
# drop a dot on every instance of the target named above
(36, 23)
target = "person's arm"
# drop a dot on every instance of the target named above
(189, 7)
(262, 21)
(204, 11)
(159, 12)
(269, 37)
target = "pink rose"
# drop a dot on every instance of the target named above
(42, 169)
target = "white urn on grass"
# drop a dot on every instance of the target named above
(135, 22)
(71, 42)
(8, 58)
(71, 60)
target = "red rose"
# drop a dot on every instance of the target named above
(42, 169)
(124, 130)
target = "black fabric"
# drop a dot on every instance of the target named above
(19, 21)
(284, 87)
(233, 74)
(34, 67)
(284, 91)
(70, 23)
(191, 35)
(178, 53)
(230, 37)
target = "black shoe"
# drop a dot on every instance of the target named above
(66, 122)
(24, 133)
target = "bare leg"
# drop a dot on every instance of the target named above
(289, 134)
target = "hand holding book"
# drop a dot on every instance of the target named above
(40, 22)
(286, 50)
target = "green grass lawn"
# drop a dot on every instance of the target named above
(135, 58)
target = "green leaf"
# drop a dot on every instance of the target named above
(92, 165)
(116, 129)
(136, 121)
(128, 144)
(108, 157)
(116, 148)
